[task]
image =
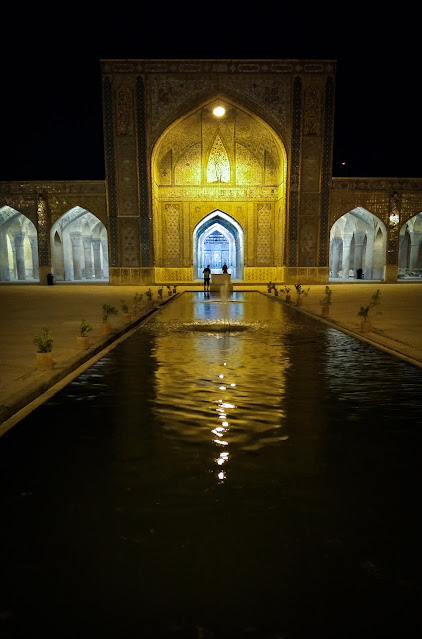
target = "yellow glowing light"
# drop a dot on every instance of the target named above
(219, 111)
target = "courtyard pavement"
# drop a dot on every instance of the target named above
(25, 309)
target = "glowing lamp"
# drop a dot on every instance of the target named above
(219, 111)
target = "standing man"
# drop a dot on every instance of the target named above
(207, 273)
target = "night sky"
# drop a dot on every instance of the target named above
(51, 111)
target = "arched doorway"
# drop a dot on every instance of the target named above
(357, 246)
(218, 238)
(79, 247)
(410, 249)
(18, 247)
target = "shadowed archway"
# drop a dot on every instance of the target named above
(18, 247)
(79, 247)
(358, 246)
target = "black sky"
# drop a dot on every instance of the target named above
(51, 113)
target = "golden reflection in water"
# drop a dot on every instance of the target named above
(243, 414)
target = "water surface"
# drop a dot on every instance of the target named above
(206, 481)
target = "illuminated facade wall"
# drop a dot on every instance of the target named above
(170, 163)
(260, 177)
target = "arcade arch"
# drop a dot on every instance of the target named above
(79, 248)
(18, 247)
(357, 241)
(410, 248)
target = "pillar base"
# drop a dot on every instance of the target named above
(44, 271)
(391, 274)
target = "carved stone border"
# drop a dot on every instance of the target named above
(326, 172)
(295, 170)
(110, 162)
(143, 173)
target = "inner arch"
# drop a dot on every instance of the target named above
(218, 238)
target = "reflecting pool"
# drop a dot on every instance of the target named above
(233, 469)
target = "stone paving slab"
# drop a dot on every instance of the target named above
(25, 309)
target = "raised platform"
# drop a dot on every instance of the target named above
(219, 280)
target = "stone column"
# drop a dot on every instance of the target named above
(347, 240)
(104, 245)
(33, 240)
(76, 239)
(87, 239)
(335, 249)
(19, 255)
(369, 256)
(359, 239)
(96, 245)
(415, 240)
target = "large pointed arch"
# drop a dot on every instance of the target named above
(18, 247)
(79, 247)
(201, 163)
(358, 246)
(220, 223)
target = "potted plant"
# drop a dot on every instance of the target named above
(301, 293)
(137, 303)
(174, 289)
(169, 290)
(160, 293)
(83, 340)
(326, 302)
(287, 292)
(127, 316)
(366, 326)
(150, 300)
(108, 310)
(44, 343)
(269, 287)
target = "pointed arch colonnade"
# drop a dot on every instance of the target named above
(78, 247)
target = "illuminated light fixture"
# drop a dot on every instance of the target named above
(219, 111)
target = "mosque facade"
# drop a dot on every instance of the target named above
(213, 161)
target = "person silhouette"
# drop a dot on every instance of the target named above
(224, 268)
(207, 273)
